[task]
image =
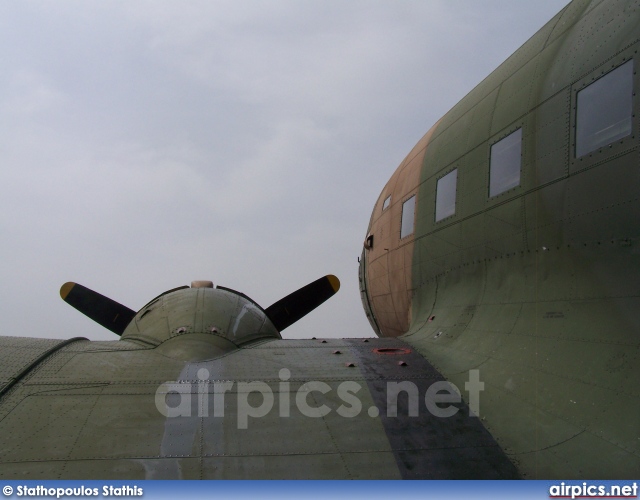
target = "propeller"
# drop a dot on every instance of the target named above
(106, 312)
(294, 306)
(115, 317)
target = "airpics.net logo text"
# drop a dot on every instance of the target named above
(256, 399)
(586, 490)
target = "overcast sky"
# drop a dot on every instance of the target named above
(145, 144)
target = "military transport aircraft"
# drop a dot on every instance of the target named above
(500, 271)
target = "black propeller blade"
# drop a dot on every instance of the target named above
(294, 306)
(108, 313)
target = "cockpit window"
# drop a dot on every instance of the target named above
(506, 160)
(604, 110)
(386, 203)
(446, 195)
(408, 217)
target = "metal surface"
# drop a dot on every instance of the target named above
(23, 355)
(538, 286)
(92, 413)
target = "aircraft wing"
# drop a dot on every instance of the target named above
(271, 409)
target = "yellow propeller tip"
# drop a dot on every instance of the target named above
(66, 289)
(334, 282)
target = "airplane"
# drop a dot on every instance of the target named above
(499, 272)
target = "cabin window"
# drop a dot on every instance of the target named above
(506, 160)
(408, 217)
(386, 203)
(446, 195)
(604, 110)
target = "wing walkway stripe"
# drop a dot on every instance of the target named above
(427, 446)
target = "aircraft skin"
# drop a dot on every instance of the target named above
(538, 286)
(534, 289)
(185, 393)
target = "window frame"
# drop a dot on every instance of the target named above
(619, 146)
(583, 85)
(386, 203)
(455, 195)
(519, 129)
(413, 218)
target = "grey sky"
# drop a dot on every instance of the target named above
(145, 144)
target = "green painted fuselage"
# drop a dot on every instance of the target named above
(535, 282)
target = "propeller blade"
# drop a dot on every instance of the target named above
(104, 311)
(294, 306)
